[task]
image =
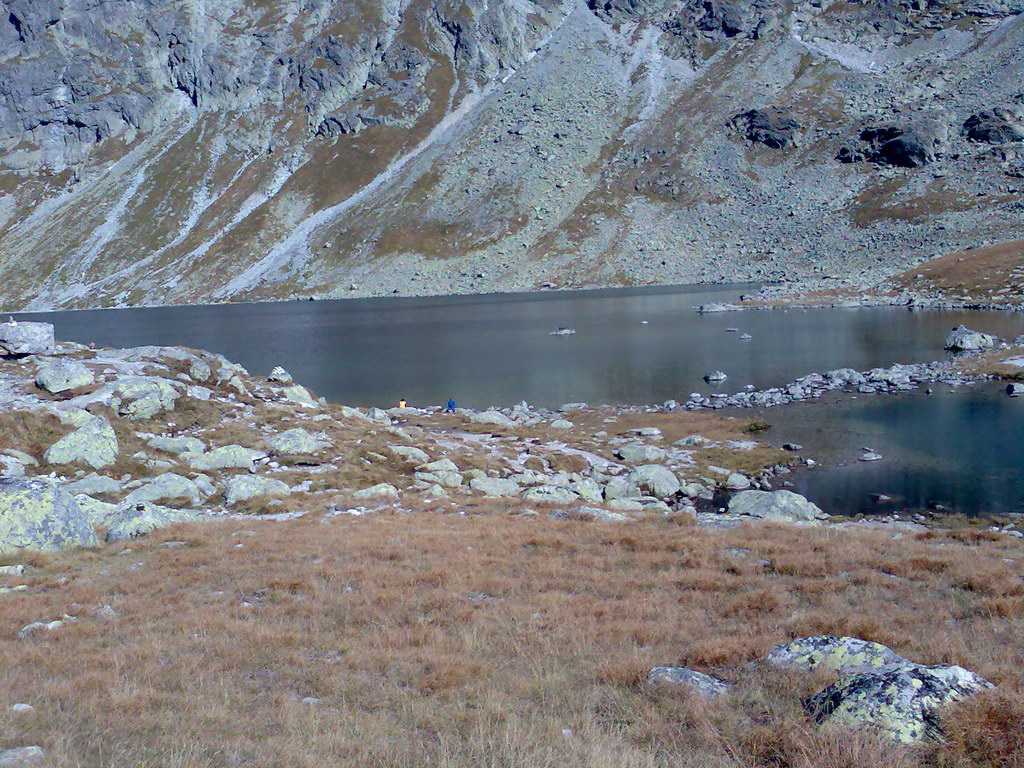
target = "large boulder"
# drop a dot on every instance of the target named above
(143, 397)
(295, 442)
(93, 484)
(494, 487)
(995, 126)
(166, 487)
(132, 520)
(497, 418)
(640, 453)
(656, 480)
(61, 375)
(93, 443)
(245, 487)
(910, 145)
(840, 654)
(39, 515)
(903, 704)
(772, 127)
(225, 457)
(21, 338)
(777, 506)
(963, 339)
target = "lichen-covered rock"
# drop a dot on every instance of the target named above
(963, 339)
(586, 489)
(737, 482)
(903, 703)
(378, 415)
(132, 520)
(621, 488)
(701, 684)
(166, 487)
(495, 487)
(637, 453)
(93, 484)
(443, 477)
(225, 457)
(549, 494)
(410, 453)
(62, 374)
(96, 512)
(245, 487)
(298, 394)
(655, 479)
(779, 506)
(143, 397)
(39, 515)
(280, 376)
(441, 465)
(22, 338)
(178, 445)
(22, 757)
(93, 443)
(588, 513)
(840, 654)
(378, 491)
(494, 417)
(295, 442)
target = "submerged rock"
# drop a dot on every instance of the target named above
(22, 338)
(39, 515)
(780, 506)
(62, 375)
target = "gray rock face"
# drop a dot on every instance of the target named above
(549, 494)
(410, 453)
(996, 126)
(963, 339)
(178, 445)
(62, 375)
(772, 127)
(780, 506)
(904, 704)
(909, 145)
(93, 484)
(701, 684)
(378, 491)
(39, 515)
(22, 338)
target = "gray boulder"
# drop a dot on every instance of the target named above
(492, 417)
(995, 126)
(772, 127)
(93, 443)
(639, 453)
(655, 479)
(22, 757)
(245, 487)
(410, 453)
(549, 494)
(737, 482)
(178, 445)
(588, 513)
(280, 376)
(62, 375)
(225, 457)
(963, 339)
(840, 654)
(699, 683)
(378, 491)
(22, 338)
(299, 395)
(39, 515)
(295, 442)
(166, 487)
(910, 145)
(142, 397)
(132, 520)
(621, 488)
(92, 484)
(781, 506)
(494, 487)
(902, 704)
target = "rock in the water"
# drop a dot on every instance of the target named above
(280, 375)
(963, 339)
(225, 457)
(781, 506)
(166, 487)
(245, 487)
(21, 338)
(715, 376)
(295, 442)
(549, 494)
(378, 491)
(1015, 389)
(22, 757)
(494, 487)
(39, 515)
(93, 443)
(840, 654)
(657, 480)
(62, 375)
(904, 704)
(133, 520)
(698, 682)
(178, 445)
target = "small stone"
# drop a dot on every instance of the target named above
(20, 707)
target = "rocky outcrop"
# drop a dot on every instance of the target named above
(38, 515)
(909, 145)
(21, 338)
(1001, 125)
(776, 506)
(772, 127)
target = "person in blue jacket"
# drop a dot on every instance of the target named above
(451, 406)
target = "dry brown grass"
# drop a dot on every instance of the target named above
(990, 274)
(493, 640)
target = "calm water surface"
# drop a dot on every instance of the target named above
(632, 346)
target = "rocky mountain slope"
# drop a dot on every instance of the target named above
(158, 152)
